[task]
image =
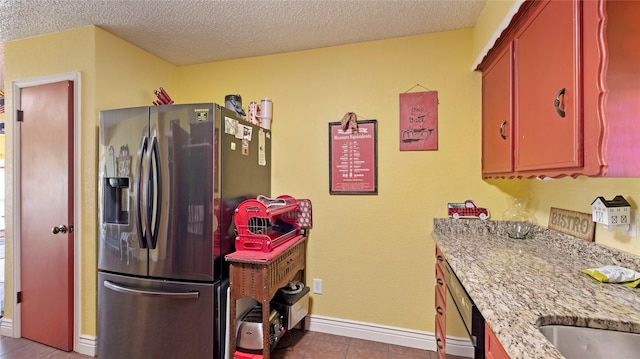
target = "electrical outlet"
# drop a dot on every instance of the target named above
(317, 286)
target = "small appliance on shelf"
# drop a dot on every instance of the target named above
(264, 224)
(293, 302)
(249, 331)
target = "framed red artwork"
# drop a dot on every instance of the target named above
(353, 158)
(419, 121)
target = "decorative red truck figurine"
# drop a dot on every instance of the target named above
(468, 209)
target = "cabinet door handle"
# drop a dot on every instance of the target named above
(504, 123)
(559, 105)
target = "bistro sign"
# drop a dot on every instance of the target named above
(577, 224)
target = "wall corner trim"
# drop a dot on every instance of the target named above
(496, 34)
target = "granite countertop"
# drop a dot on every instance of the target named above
(519, 285)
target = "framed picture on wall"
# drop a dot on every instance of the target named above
(353, 158)
(419, 121)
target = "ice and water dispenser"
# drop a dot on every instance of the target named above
(117, 187)
(116, 200)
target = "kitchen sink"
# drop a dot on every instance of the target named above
(585, 343)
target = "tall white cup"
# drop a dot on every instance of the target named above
(266, 113)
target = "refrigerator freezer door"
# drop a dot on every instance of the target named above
(245, 172)
(182, 192)
(121, 244)
(142, 318)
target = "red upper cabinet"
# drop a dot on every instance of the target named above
(574, 90)
(622, 78)
(546, 85)
(497, 138)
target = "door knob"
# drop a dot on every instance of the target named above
(61, 228)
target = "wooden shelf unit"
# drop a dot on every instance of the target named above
(260, 279)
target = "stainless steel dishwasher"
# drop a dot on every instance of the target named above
(469, 313)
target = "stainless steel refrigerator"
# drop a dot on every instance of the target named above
(170, 178)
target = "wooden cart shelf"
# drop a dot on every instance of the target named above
(259, 275)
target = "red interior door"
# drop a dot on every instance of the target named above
(46, 197)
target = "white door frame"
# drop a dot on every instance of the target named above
(17, 85)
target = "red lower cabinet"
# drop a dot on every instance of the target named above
(492, 347)
(441, 310)
(441, 342)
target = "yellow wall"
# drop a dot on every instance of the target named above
(577, 194)
(486, 29)
(373, 253)
(113, 74)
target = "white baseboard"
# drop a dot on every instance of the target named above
(460, 346)
(387, 334)
(6, 327)
(87, 345)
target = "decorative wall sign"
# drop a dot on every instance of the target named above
(353, 158)
(573, 223)
(611, 212)
(419, 121)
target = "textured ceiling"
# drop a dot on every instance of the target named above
(189, 31)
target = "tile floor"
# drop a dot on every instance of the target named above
(315, 345)
(19, 348)
(296, 345)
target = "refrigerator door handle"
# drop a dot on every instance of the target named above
(146, 188)
(151, 293)
(139, 193)
(155, 207)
